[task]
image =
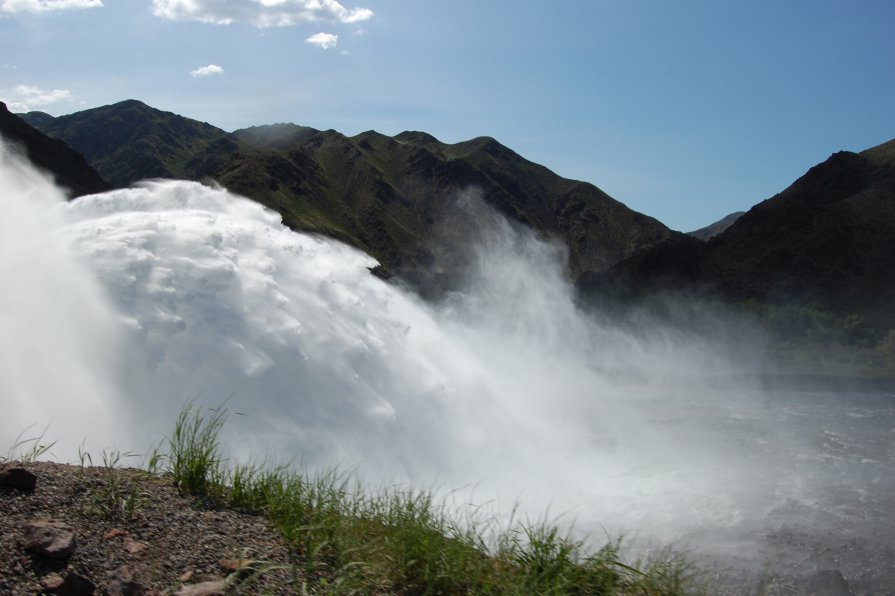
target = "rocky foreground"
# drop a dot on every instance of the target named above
(77, 530)
(84, 530)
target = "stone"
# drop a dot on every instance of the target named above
(125, 581)
(210, 588)
(132, 546)
(76, 585)
(51, 582)
(17, 477)
(49, 538)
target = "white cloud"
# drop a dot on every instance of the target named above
(25, 98)
(260, 13)
(205, 71)
(13, 6)
(323, 40)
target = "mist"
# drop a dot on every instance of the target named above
(58, 335)
(119, 308)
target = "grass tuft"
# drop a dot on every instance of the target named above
(194, 456)
(344, 538)
(116, 496)
(28, 449)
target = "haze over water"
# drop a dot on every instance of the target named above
(118, 308)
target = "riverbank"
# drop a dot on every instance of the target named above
(187, 525)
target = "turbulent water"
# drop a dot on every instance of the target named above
(118, 308)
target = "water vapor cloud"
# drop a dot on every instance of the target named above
(25, 98)
(323, 40)
(260, 13)
(206, 71)
(140, 299)
(36, 6)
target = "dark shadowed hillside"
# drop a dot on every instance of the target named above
(830, 237)
(827, 241)
(390, 196)
(68, 167)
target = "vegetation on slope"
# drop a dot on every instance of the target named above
(347, 539)
(130, 141)
(392, 197)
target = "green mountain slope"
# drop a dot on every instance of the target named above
(389, 196)
(129, 141)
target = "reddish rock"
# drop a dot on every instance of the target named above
(125, 581)
(49, 538)
(133, 547)
(114, 533)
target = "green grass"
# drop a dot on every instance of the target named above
(26, 449)
(116, 497)
(194, 452)
(344, 538)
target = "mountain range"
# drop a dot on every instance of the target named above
(385, 195)
(827, 241)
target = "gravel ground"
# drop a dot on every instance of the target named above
(168, 541)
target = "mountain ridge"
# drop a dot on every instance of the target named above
(384, 195)
(69, 167)
(827, 241)
(129, 141)
(715, 228)
(824, 241)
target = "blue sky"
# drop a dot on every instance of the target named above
(683, 110)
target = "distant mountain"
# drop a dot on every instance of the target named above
(68, 167)
(827, 240)
(390, 196)
(130, 141)
(37, 118)
(712, 230)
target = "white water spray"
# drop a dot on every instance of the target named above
(58, 337)
(117, 308)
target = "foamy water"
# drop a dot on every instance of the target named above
(118, 308)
